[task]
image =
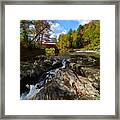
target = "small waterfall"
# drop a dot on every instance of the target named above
(64, 63)
(34, 89)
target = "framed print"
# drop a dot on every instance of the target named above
(60, 60)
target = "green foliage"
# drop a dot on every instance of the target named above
(50, 51)
(33, 31)
(63, 42)
(91, 35)
(24, 26)
(75, 44)
(79, 36)
(70, 38)
(86, 37)
(74, 35)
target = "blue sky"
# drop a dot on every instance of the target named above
(67, 24)
(63, 26)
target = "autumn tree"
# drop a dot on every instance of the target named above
(34, 31)
(80, 32)
(63, 43)
(42, 29)
(84, 37)
(24, 32)
(91, 35)
(24, 29)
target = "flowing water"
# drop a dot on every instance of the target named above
(67, 79)
(34, 89)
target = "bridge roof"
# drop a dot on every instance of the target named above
(49, 45)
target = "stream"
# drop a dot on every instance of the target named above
(34, 89)
(60, 78)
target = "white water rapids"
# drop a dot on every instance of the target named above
(34, 89)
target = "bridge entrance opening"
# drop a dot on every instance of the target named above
(50, 48)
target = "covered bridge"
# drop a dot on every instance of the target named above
(51, 45)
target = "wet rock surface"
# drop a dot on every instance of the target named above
(60, 78)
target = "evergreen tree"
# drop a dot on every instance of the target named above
(70, 38)
(79, 36)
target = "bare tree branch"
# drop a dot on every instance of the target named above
(39, 33)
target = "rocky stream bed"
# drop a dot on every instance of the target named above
(60, 78)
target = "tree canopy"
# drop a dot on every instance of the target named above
(84, 37)
(33, 32)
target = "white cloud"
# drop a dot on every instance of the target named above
(64, 32)
(55, 26)
(57, 29)
(83, 22)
